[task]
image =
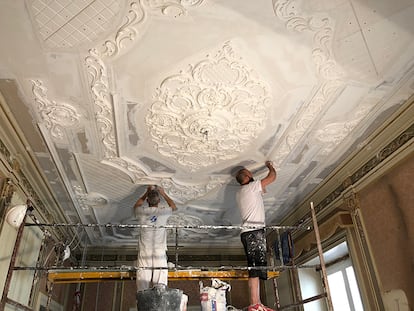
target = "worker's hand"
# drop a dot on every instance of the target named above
(151, 187)
(161, 190)
(269, 164)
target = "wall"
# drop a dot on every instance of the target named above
(8, 236)
(388, 213)
(21, 282)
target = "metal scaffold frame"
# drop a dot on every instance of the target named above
(84, 274)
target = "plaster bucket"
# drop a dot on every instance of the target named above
(159, 298)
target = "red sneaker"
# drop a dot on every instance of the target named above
(258, 307)
(267, 308)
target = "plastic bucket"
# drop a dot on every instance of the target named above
(159, 298)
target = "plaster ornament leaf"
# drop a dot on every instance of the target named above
(179, 191)
(99, 85)
(172, 7)
(80, 197)
(56, 116)
(87, 200)
(329, 73)
(131, 169)
(209, 112)
(323, 31)
(126, 33)
(188, 192)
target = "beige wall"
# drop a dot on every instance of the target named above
(387, 206)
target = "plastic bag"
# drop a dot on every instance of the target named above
(213, 298)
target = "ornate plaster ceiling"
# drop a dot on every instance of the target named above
(180, 93)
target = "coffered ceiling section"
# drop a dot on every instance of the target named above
(182, 92)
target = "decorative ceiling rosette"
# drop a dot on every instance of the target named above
(210, 112)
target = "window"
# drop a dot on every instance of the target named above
(344, 288)
(341, 279)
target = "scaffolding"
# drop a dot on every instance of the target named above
(85, 274)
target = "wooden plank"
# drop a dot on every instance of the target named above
(87, 276)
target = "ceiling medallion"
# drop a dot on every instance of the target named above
(210, 112)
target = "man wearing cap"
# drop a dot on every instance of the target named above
(152, 242)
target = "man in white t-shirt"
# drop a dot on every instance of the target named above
(152, 242)
(250, 202)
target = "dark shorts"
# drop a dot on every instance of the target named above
(254, 243)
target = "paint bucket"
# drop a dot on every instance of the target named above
(159, 298)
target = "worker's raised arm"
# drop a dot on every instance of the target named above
(271, 176)
(142, 199)
(169, 201)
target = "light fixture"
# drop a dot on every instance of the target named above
(16, 214)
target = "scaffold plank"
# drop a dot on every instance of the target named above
(67, 276)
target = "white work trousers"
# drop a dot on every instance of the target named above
(148, 276)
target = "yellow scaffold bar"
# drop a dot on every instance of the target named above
(67, 276)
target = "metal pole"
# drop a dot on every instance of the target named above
(320, 252)
(300, 303)
(11, 265)
(294, 277)
(18, 305)
(212, 227)
(279, 247)
(176, 248)
(277, 298)
(275, 286)
(50, 287)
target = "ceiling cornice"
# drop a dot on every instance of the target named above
(20, 165)
(385, 148)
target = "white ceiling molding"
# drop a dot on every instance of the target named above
(173, 8)
(182, 192)
(186, 192)
(182, 93)
(329, 73)
(56, 117)
(322, 29)
(210, 112)
(125, 34)
(99, 86)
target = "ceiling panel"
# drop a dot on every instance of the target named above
(182, 93)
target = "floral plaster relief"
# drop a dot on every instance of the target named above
(210, 112)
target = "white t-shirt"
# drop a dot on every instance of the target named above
(250, 202)
(153, 216)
